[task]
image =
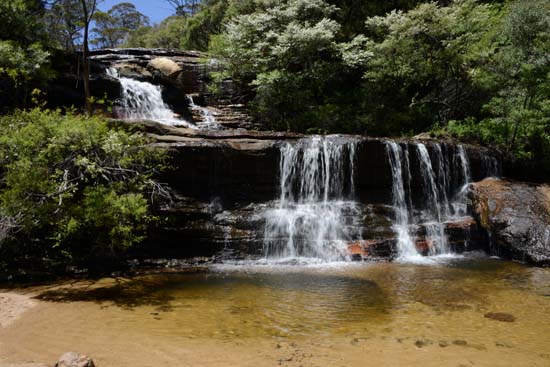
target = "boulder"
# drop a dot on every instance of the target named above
(73, 359)
(516, 216)
(165, 66)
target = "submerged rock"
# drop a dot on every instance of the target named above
(73, 359)
(500, 316)
(516, 216)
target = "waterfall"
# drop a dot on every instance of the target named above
(316, 215)
(142, 100)
(397, 158)
(491, 166)
(208, 118)
(459, 204)
(444, 179)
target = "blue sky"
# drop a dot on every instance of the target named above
(156, 10)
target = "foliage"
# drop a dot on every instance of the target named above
(74, 188)
(113, 27)
(21, 64)
(64, 23)
(167, 34)
(23, 55)
(287, 51)
(424, 59)
(190, 30)
(21, 21)
(517, 117)
(185, 7)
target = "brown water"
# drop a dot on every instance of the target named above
(331, 315)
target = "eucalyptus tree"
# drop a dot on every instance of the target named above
(113, 27)
(185, 7)
(64, 22)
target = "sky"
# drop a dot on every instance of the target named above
(156, 10)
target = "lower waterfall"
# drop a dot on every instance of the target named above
(442, 191)
(399, 166)
(316, 215)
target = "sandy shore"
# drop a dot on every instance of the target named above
(12, 306)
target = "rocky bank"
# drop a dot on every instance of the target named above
(516, 216)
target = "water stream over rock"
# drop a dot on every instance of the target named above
(443, 193)
(316, 214)
(207, 118)
(143, 101)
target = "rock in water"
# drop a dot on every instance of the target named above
(72, 359)
(500, 316)
(166, 66)
(516, 216)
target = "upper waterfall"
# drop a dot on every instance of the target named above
(143, 100)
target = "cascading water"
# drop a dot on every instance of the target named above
(405, 243)
(443, 193)
(434, 209)
(142, 100)
(316, 214)
(459, 203)
(491, 166)
(208, 118)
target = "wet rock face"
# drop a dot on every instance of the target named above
(517, 217)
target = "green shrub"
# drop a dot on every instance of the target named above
(72, 188)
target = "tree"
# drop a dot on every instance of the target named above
(287, 51)
(23, 55)
(185, 7)
(88, 10)
(188, 33)
(112, 28)
(522, 68)
(65, 23)
(72, 188)
(420, 72)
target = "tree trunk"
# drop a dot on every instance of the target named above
(88, 13)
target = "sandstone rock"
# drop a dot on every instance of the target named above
(165, 66)
(373, 249)
(517, 217)
(423, 246)
(133, 71)
(73, 359)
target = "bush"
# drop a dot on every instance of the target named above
(71, 188)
